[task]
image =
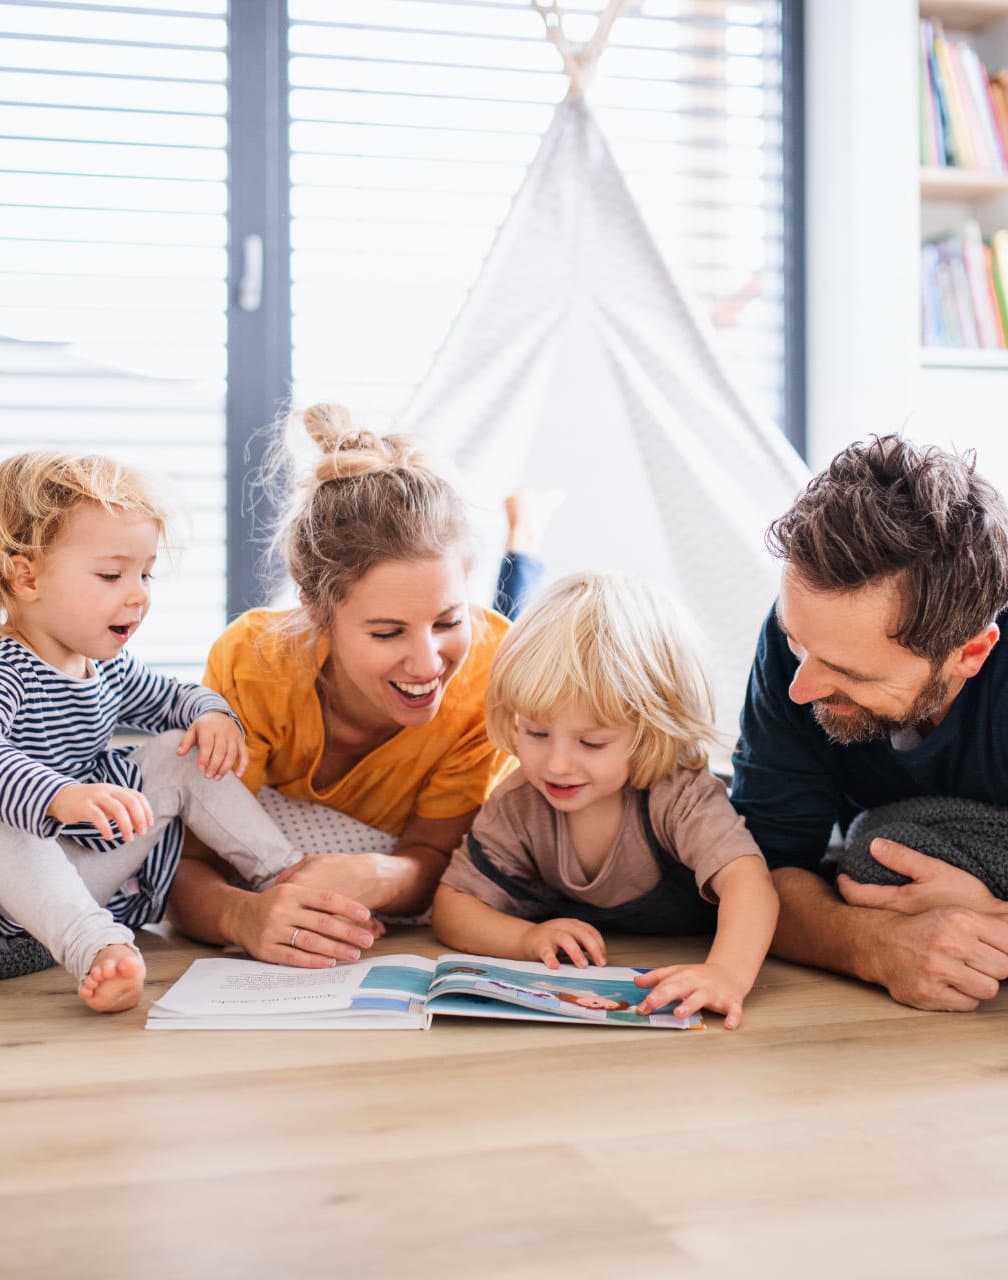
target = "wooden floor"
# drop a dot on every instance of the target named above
(836, 1134)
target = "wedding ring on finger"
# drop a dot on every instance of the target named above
(293, 938)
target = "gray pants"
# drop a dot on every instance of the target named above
(57, 890)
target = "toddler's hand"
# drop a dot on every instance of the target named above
(573, 937)
(101, 803)
(221, 745)
(695, 986)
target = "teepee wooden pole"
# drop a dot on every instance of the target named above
(579, 61)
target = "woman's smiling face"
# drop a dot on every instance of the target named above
(399, 636)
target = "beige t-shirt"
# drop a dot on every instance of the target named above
(526, 838)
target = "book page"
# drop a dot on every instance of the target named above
(250, 988)
(607, 996)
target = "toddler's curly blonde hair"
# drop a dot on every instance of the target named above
(40, 490)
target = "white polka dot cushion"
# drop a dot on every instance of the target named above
(314, 828)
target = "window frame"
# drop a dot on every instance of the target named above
(259, 340)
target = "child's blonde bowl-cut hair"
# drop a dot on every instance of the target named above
(40, 490)
(612, 642)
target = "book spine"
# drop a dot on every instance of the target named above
(932, 325)
(966, 107)
(978, 94)
(993, 123)
(995, 305)
(984, 318)
(999, 100)
(999, 259)
(958, 149)
(964, 300)
(932, 140)
(949, 306)
(947, 155)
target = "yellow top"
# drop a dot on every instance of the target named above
(437, 770)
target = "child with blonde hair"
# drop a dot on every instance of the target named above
(613, 819)
(90, 835)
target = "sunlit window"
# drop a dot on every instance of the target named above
(413, 124)
(113, 234)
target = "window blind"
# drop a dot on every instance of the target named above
(412, 124)
(113, 233)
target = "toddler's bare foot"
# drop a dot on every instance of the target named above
(528, 513)
(115, 980)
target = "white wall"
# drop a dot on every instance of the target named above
(862, 216)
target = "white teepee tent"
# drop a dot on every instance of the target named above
(576, 362)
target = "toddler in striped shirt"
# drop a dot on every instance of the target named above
(90, 834)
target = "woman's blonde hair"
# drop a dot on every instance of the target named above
(368, 499)
(612, 642)
(40, 490)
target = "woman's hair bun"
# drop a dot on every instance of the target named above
(349, 451)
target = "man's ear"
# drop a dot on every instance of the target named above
(23, 578)
(967, 660)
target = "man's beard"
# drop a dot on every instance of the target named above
(861, 725)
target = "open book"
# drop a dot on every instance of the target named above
(401, 992)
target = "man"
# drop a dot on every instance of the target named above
(878, 677)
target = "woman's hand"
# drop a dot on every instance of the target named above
(933, 883)
(580, 942)
(368, 878)
(300, 924)
(696, 987)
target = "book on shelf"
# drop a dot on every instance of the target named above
(964, 290)
(401, 992)
(999, 102)
(961, 124)
(999, 275)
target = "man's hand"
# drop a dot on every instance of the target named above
(221, 745)
(933, 883)
(949, 958)
(944, 958)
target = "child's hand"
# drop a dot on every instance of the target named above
(573, 937)
(695, 986)
(221, 745)
(101, 803)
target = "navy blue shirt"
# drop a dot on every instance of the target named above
(791, 783)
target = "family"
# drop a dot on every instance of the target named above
(545, 782)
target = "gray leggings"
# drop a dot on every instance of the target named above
(57, 890)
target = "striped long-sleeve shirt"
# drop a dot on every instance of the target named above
(55, 730)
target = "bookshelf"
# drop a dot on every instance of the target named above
(957, 291)
(966, 185)
(869, 206)
(964, 15)
(962, 358)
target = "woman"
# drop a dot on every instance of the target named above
(367, 699)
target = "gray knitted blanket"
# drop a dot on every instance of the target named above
(965, 833)
(19, 956)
